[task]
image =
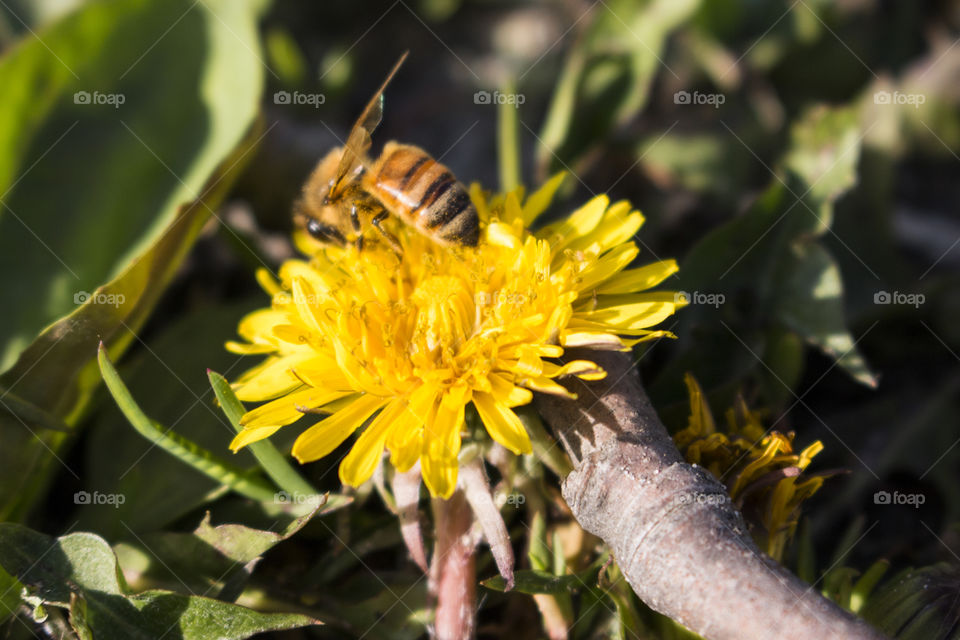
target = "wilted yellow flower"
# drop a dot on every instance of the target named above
(760, 469)
(412, 342)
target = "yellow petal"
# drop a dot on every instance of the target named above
(540, 199)
(583, 369)
(366, 452)
(306, 301)
(506, 393)
(511, 207)
(580, 223)
(257, 327)
(419, 410)
(605, 267)
(266, 280)
(289, 408)
(244, 349)
(248, 436)
(616, 229)
(479, 201)
(591, 339)
(502, 423)
(645, 310)
(639, 279)
(502, 235)
(270, 379)
(329, 433)
(544, 384)
(441, 446)
(405, 455)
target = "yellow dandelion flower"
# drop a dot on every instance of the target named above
(405, 344)
(759, 468)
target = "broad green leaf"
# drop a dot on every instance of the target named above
(9, 595)
(824, 152)
(243, 544)
(210, 559)
(178, 446)
(917, 604)
(130, 136)
(80, 572)
(811, 304)
(711, 164)
(134, 182)
(768, 265)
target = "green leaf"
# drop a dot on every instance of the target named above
(123, 170)
(606, 80)
(138, 181)
(184, 449)
(766, 271)
(168, 380)
(81, 573)
(242, 544)
(917, 604)
(532, 581)
(811, 304)
(539, 553)
(273, 462)
(824, 152)
(220, 557)
(9, 598)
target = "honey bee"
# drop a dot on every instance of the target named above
(347, 191)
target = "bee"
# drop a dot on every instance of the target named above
(347, 191)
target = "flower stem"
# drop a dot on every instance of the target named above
(453, 569)
(508, 139)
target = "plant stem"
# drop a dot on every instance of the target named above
(689, 559)
(508, 138)
(453, 569)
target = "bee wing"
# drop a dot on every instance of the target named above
(355, 150)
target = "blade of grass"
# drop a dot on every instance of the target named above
(864, 586)
(273, 462)
(187, 451)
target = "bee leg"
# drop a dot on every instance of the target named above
(389, 237)
(357, 229)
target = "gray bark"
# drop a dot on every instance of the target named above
(680, 543)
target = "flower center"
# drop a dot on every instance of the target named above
(445, 314)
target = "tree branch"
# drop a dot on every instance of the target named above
(683, 547)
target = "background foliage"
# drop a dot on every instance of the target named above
(799, 159)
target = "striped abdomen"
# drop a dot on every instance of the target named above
(424, 194)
